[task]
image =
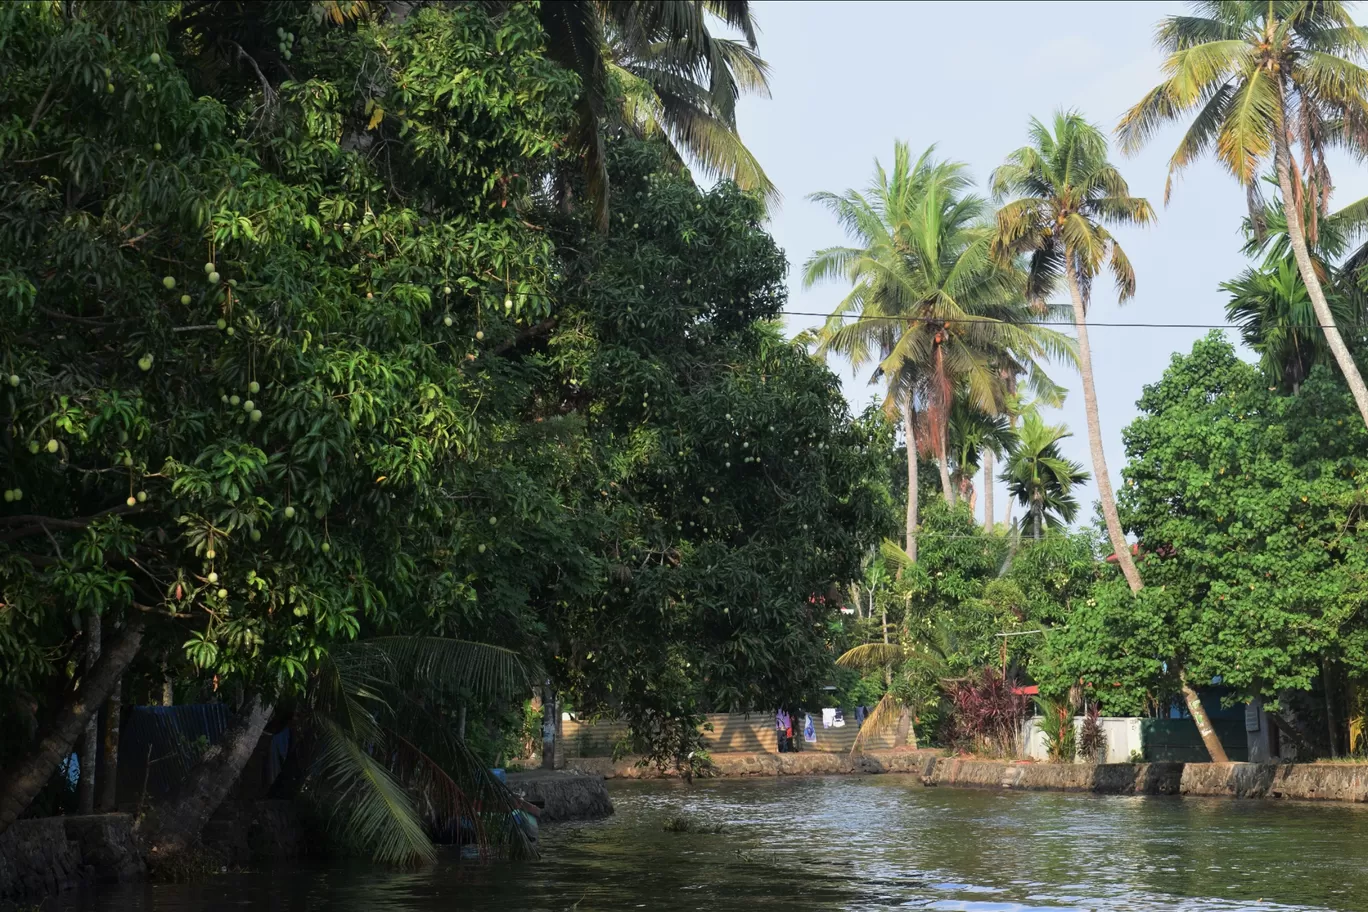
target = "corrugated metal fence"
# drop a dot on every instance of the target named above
(731, 733)
(159, 744)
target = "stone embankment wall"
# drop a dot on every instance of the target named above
(807, 763)
(42, 857)
(1297, 781)
(563, 795)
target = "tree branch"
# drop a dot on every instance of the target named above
(33, 524)
(42, 103)
(537, 329)
(266, 89)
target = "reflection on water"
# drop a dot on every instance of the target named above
(858, 843)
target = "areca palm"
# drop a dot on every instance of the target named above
(1271, 306)
(1065, 194)
(927, 304)
(1257, 80)
(655, 68)
(976, 437)
(1040, 478)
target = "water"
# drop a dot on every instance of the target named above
(857, 843)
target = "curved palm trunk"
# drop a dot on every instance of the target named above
(30, 772)
(1297, 236)
(1108, 498)
(988, 490)
(1203, 722)
(1099, 459)
(174, 825)
(912, 489)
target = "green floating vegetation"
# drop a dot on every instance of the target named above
(681, 823)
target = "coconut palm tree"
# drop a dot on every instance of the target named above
(1045, 393)
(1065, 193)
(372, 750)
(655, 68)
(928, 304)
(385, 761)
(1040, 478)
(1270, 302)
(1260, 79)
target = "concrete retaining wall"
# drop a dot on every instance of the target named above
(1298, 781)
(1103, 778)
(44, 856)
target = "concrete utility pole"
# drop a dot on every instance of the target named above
(548, 726)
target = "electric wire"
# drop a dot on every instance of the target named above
(1089, 324)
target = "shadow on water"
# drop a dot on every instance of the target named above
(855, 844)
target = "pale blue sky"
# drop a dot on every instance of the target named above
(850, 78)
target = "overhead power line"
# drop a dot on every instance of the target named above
(949, 320)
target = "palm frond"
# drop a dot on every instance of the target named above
(372, 808)
(892, 552)
(883, 717)
(1246, 136)
(872, 656)
(448, 665)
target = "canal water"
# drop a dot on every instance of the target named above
(856, 843)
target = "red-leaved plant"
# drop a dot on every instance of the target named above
(986, 713)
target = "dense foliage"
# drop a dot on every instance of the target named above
(303, 347)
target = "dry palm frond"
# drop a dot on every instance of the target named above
(882, 717)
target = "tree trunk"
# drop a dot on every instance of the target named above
(1331, 720)
(175, 824)
(1099, 459)
(912, 484)
(988, 490)
(90, 741)
(1297, 237)
(31, 771)
(1038, 514)
(168, 694)
(904, 731)
(943, 460)
(107, 782)
(1199, 716)
(888, 670)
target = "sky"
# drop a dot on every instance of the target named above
(849, 79)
